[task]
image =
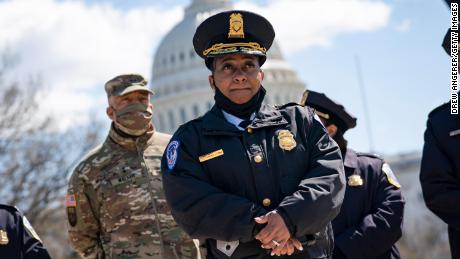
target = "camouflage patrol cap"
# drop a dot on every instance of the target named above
(125, 84)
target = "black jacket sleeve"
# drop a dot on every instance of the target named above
(441, 189)
(379, 230)
(320, 192)
(201, 209)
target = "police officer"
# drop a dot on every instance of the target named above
(370, 220)
(251, 179)
(115, 203)
(440, 169)
(17, 237)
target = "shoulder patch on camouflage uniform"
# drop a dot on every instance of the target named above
(391, 177)
(72, 216)
(29, 228)
(71, 207)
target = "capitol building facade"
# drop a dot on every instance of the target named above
(180, 77)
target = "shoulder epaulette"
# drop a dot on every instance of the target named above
(439, 108)
(286, 105)
(368, 155)
(9, 208)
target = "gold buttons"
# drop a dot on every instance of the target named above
(258, 158)
(266, 202)
(249, 130)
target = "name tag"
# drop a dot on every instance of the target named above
(211, 155)
(125, 178)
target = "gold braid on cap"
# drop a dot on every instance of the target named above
(223, 48)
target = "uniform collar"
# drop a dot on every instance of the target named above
(129, 142)
(350, 159)
(236, 120)
(216, 121)
(268, 116)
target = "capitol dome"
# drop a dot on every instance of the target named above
(180, 77)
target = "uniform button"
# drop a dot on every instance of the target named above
(266, 202)
(249, 130)
(258, 158)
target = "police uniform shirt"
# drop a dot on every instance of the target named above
(217, 179)
(370, 220)
(18, 240)
(440, 171)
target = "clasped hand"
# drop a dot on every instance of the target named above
(275, 235)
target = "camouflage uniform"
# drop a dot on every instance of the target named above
(115, 202)
(119, 202)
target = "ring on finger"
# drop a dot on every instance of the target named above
(276, 243)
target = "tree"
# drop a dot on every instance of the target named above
(36, 159)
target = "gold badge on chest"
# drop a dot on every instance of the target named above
(355, 180)
(3, 237)
(286, 140)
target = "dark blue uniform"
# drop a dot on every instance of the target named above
(17, 238)
(217, 179)
(370, 220)
(440, 171)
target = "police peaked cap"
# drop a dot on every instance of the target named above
(330, 110)
(233, 32)
(446, 44)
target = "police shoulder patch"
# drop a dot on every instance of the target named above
(172, 153)
(30, 229)
(391, 177)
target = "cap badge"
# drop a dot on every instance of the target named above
(355, 180)
(3, 237)
(286, 140)
(236, 26)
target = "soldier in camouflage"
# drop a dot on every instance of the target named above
(115, 203)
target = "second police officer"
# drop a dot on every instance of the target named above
(440, 169)
(251, 179)
(18, 239)
(370, 220)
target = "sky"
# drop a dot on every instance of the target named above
(76, 46)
